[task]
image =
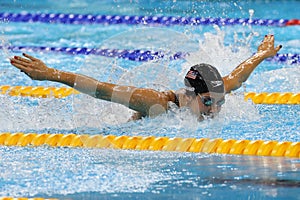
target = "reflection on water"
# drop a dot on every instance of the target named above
(108, 173)
(83, 114)
(112, 174)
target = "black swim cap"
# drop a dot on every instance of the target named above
(204, 78)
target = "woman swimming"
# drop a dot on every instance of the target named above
(204, 95)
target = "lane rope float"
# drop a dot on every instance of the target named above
(62, 92)
(37, 91)
(139, 20)
(25, 198)
(201, 145)
(273, 98)
(133, 55)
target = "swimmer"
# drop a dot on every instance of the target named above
(204, 93)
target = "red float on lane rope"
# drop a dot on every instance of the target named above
(293, 22)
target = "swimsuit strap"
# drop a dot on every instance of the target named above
(176, 101)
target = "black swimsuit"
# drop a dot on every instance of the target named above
(176, 101)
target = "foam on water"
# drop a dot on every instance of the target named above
(23, 113)
(112, 173)
(82, 112)
(5, 44)
(212, 50)
(278, 80)
(162, 75)
(56, 172)
(32, 171)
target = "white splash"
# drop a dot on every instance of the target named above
(278, 80)
(90, 112)
(212, 50)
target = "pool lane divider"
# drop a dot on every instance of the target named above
(25, 198)
(193, 145)
(61, 18)
(133, 55)
(62, 92)
(37, 91)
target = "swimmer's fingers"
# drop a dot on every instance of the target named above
(32, 67)
(278, 48)
(30, 72)
(20, 66)
(266, 48)
(271, 40)
(268, 40)
(21, 61)
(30, 57)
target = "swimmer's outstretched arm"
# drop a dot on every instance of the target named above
(240, 74)
(147, 102)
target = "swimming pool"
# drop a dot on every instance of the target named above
(91, 173)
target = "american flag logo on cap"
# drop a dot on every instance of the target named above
(191, 75)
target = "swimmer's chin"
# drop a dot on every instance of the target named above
(200, 118)
(204, 116)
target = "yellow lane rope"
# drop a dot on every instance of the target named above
(37, 91)
(204, 145)
(273, 98)
(24, 198)
(44, 92)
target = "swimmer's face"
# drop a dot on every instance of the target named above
(207, 104)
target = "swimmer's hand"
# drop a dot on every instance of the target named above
(33, 67)
(266, 48)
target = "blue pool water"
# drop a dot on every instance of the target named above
(76, 173)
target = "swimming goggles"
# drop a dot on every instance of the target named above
(209, 101)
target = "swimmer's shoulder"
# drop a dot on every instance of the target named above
(173, 96)
(170, 94)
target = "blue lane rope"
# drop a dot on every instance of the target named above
(134, 55)
(138, 20)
